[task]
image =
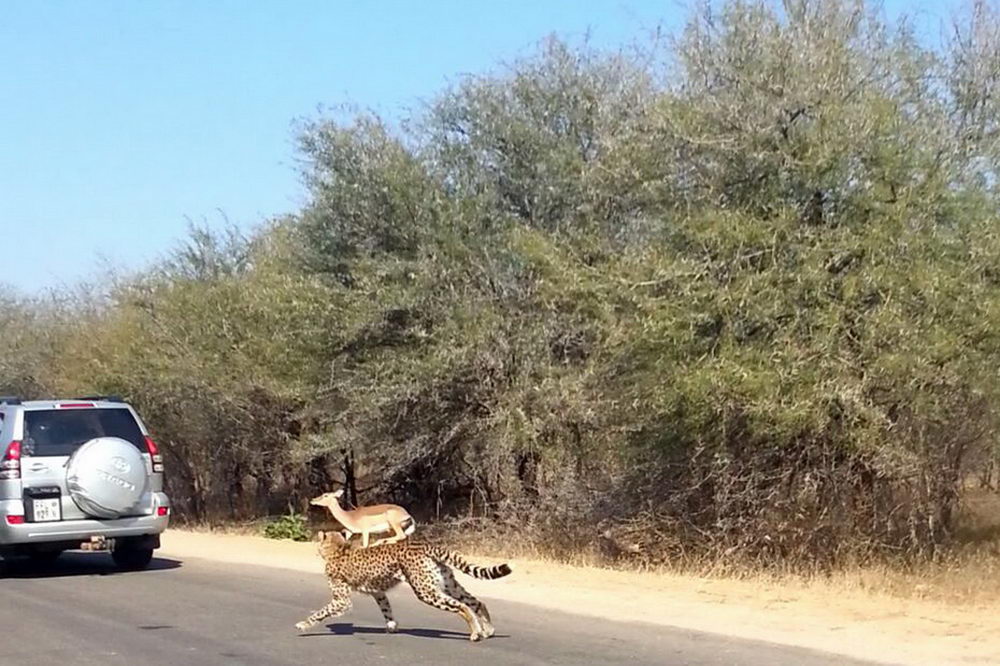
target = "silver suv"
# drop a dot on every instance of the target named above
(79, 474)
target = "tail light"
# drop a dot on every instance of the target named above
(155, 455)
(15, 520)
(163, 510)
(10, 465)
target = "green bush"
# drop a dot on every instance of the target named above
(290, 526)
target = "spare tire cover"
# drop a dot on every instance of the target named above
(106, 477)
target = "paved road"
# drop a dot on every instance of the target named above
(196, 612)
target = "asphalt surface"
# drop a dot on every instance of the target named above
(79, 610)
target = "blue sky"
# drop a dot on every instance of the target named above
(121, 120)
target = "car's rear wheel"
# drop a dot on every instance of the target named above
(132, 559)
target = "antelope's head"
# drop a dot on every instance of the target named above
(327, 499)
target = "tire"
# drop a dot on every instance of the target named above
(132, 559)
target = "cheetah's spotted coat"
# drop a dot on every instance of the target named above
(373, 571)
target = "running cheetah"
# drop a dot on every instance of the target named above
(374, 571)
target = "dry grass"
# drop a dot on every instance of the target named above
(241, 528)
(968, 575)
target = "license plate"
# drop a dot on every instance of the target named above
(44, 510)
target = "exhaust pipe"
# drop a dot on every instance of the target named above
(98, 543)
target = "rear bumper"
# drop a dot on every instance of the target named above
(78, 530)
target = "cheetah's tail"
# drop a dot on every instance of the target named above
(459, 562)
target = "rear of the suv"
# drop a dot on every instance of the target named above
(79, 474)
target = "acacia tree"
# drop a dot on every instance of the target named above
(755, 288)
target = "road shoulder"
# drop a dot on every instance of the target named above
(854, 624)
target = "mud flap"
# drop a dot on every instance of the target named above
(146, 541)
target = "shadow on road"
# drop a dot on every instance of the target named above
(348, 629)
(75, 564)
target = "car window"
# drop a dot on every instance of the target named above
(60, 432)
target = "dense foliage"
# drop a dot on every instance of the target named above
(736, 297)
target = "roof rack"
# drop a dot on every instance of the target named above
(10, 400)
(106, 398)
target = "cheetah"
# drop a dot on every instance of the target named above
(375, 570)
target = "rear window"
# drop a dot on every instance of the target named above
(60, 432)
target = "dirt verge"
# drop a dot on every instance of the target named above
(852, 623)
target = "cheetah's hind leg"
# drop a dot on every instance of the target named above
(428, 586)
(383, 605)
(455, 590)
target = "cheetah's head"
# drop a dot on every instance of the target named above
(331, 538)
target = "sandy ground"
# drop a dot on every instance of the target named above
(852, 623)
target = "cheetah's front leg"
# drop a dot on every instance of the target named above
(340, 604)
